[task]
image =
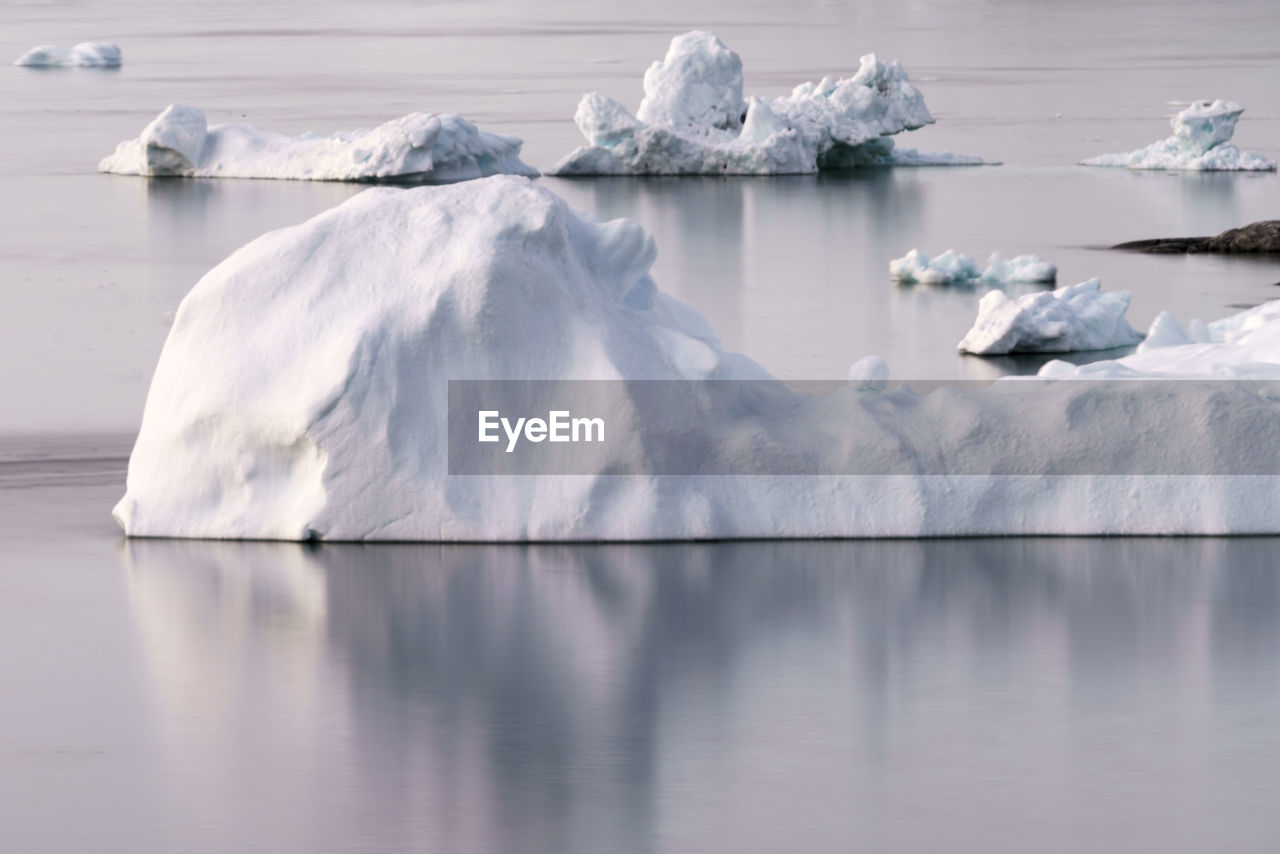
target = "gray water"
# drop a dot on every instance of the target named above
(992, 695)
(1055, 695)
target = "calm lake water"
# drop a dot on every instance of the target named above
(992, 695)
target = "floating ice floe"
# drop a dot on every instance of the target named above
(1067, 320)
(305, 392)
(417, 147)
(1201, 141)
(694, 120)
(953, 268)
(85, 55)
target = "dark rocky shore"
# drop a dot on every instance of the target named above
(1256, 239)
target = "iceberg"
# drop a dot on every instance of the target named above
(695, 120)
(417, 147)
(305, 392)
(1201, 141)
(84, 55)
(1067, 320)
(953, 268)
(918, 268)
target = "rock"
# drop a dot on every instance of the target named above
(1258, 238)
(1165, 245)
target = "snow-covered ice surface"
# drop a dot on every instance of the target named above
(1067, 320)
(84, 55)
(1201, 142)
(951, 267)
(1244, 346)
(415, 147)
(695, 120)
(302, 393)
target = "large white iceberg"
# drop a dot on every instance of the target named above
(694, 120)
(85, 55)
(951, 267)
(1201, 141)
(1067, 320)
(417, 147)
(304, 391)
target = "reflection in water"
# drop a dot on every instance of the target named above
(177, 205)
(698, 223)
(743, 697)
(1211, 195)
(1031, 363)
(776, 261)
(183, 213)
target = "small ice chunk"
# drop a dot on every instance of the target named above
(870, 373)
(83, 55)
(1201, 141)
(1079, 317)
(953, 268)
(918, 268)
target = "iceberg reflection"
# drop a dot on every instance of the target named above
(735, 696)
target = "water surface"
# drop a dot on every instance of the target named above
(972, 695)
